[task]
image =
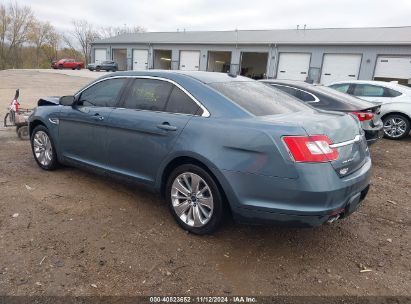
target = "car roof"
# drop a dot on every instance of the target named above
(202, 76)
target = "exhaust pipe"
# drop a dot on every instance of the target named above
(333, 219)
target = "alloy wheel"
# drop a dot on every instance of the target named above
(42, 148)
(192, 199)
(395, 127)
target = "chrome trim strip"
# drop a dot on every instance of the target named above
(206, 113)
(295, 88)
(357, 138)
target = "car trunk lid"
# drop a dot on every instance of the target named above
(346, 135)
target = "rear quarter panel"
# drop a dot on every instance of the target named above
(236, 145)
(396, 107)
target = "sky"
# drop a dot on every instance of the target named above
(193, 15)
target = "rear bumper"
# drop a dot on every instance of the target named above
(373, 135)
(301, 202)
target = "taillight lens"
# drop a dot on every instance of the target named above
(313, 149)
(362, 116)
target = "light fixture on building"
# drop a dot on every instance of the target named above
(165, 59)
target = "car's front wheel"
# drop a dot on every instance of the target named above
(396, 126)
(194, 199)
(43, 148)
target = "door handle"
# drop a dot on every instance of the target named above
(166, 126)
(98, 117)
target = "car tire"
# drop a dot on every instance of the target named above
(60, 67)
(396, 126)
(78, 67)
(114, 70)
(23, 132)
(201, 212)
(43, 148)
(98, 69)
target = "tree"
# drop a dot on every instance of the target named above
(15, 22)
(84, 34)
(112, 31)
(4, 25)
(39, 35)
(50, 48)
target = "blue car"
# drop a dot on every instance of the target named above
(211, 144)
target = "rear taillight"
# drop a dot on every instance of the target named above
(314, 148)
(362, 116)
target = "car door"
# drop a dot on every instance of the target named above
(105, 65)
(69, 63)
(144, 131)
(83, 126)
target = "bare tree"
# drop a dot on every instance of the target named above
(4, 25)
(83, 34)
(111, 31)
(19, 19)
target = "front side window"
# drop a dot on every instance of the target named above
(259, 99)
(341, 87)
(367, 90)
(148, 94)
(102, 94)
(180, 102)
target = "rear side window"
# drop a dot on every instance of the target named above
(304, 96)
(331, 99)
(180, 102)
(341, 87)
(287, 90)
(102, 94)
(301, 95)
(391, 93)
(148, 94)
(258, 98)
(367, 90)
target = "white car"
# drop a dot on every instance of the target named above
(395, 98)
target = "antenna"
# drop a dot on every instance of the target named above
(305, 26)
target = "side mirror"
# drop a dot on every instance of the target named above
(66, 100)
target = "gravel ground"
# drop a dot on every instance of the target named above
(71, 232)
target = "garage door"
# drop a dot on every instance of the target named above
(189, 60)
(293, 66)
(337, 67)
(140, 60)
(393, 67)
(100, 55)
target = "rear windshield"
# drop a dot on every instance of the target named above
(259, 99)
